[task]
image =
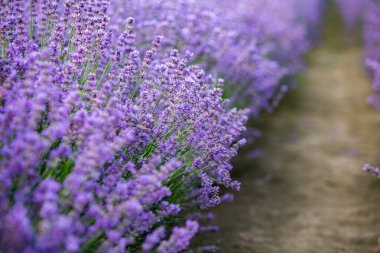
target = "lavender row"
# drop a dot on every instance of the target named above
(102, 147)
(371, 41)
(367, 12)
(371, 38)
(353, 12)
(113, 137)
(256, 46)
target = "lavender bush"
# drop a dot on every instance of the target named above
(103, 149)
(113, 137)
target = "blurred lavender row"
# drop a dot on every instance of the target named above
(366, 12)
(353, 12)
(371, 37)
(119, 118)
(371, 41)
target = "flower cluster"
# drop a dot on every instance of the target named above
(374, 171)
(103, 146)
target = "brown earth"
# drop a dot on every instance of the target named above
(308, 192)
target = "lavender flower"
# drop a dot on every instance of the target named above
(374, 171)
(180, 238)
(153, 239)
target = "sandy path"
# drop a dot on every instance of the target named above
(307, 192)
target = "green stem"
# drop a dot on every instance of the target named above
(105, 73)
(3, 54)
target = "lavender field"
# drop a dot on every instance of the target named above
(189, 126)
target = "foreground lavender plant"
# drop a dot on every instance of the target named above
(102, 148)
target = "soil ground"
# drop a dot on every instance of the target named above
(307, 192)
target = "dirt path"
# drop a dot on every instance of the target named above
(307, 192)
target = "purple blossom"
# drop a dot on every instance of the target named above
(374, 171)
(153, 239)
(180, 238)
